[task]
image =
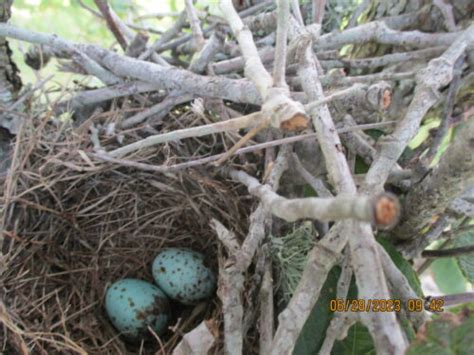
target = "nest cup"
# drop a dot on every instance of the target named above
(72, 225)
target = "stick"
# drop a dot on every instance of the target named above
(224, 126)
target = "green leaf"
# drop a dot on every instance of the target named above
(374, 133)
(361, 166)
(308, 191)
(448, 276)
(447, 334)
(465, 262)
(403, 265)
(357, 342)
(314, 331)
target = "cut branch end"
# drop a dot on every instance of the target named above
(297, 123)
(386, 210)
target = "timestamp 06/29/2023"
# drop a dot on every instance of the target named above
(386, 305)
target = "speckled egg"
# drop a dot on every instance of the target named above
(132, 305)
(182, 275)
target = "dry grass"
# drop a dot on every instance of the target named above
(72, 225)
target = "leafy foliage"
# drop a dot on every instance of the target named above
(358, 340)
(314, 331)
(447, 334)
(466, 262)
(448, 276)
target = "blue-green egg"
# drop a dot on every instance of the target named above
(183, 276)
(132, 305)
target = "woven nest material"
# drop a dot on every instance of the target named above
(73, 225)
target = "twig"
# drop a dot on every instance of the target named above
(427, 263)
(379, 32)
(198, 37)
(447, 110)
(165, 37)
(161, 109)
(104, 9)
(295, 9)
(91, 97)
(341, 321)
(362, 208)
(224, 126)
(266, 310)
(321, 259)
(446, 253)
(337, 95)
(29, 93)
(318, 11)
(199, 340)
(357, 12)
(447, 11)
(254, 68)
(201, 59)
(279, 67)
(248, 136)
(231, 275)
(401, 287)
(385, 60)
(454, 299)
(256, 232)
(315, 183)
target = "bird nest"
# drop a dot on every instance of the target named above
(73, 224)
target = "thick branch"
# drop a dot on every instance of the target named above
(362, 208)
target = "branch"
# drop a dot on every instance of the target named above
(401, 287)
(382, 210)
(438, 74)
(379, 32)
(295, 9)
(202, 161)
(199, 340)
(316, 184)
(321, 260)
(254, 68)
(231, 282)
(447, 253)
(160, 110)
(341, 321)
(366, 264)
(266, 310)
(454, 299)
(283, 111)
(218, 127)
(198, 37)
(104, 9)
(167, 78)
(279, 66)
(318, 11)
(447, 111)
